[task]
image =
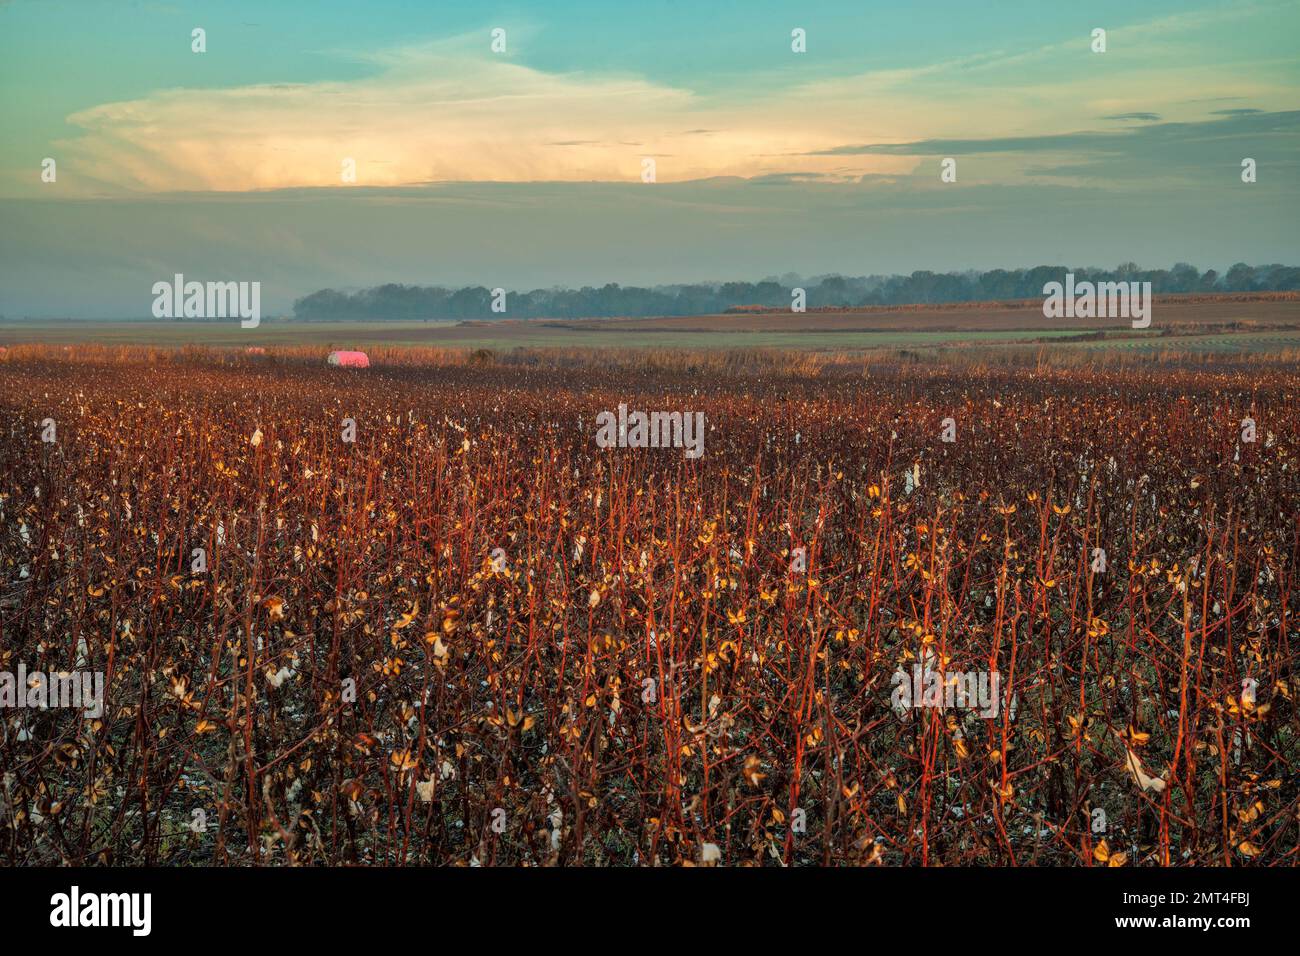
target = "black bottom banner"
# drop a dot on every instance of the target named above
(223, 906)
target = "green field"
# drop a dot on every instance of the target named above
(507, 335)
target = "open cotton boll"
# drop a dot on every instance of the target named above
(1134, 767)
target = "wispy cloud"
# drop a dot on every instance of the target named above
(1210, 148)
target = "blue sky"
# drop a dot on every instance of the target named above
(524, 168)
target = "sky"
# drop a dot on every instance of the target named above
(524, 165)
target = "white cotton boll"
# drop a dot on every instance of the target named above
(1146, 783)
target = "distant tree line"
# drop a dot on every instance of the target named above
(394, 301)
